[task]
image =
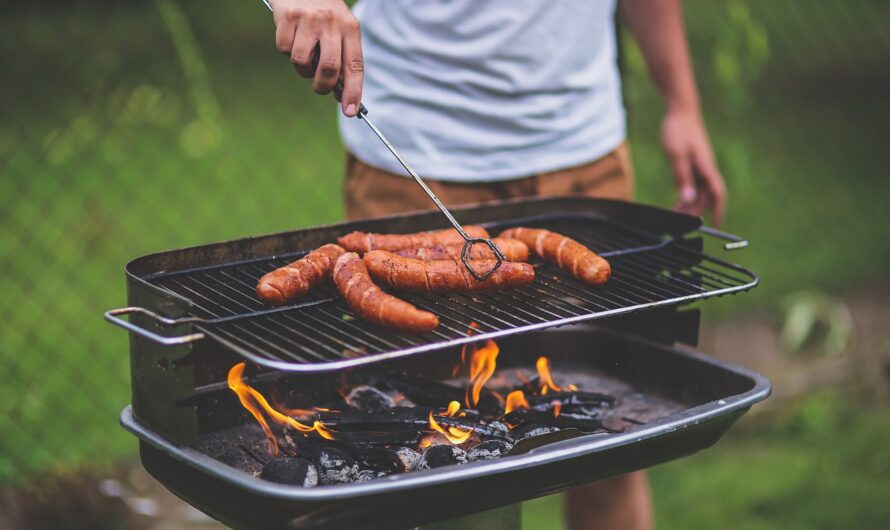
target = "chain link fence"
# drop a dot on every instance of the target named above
(127, 128)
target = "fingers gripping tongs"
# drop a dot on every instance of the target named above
(468, 241)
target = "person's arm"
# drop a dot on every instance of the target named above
(658, 28)
(303, 24)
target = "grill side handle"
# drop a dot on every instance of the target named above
(114, 316)
(735, 242)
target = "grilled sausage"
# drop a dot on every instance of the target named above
(512, 249)
(568, 254)
(295, 279)
(444, 275)
(370, 303)
(362, 242)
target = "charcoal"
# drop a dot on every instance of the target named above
(442, 455)
(565, 420)
(568, 400)
(409, 458)
(377, 459)
(335, 466)
(429, 393)
(499, 426)
(228, 446)
(292, 471)
(379, 438)
(399, 426)
(480, 430)
(369, 399)
(530, 430)
(393, 418)
(488, 450)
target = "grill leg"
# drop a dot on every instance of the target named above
(505, 518)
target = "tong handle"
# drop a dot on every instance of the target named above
(114, 316)
(468, 241)
(735, 242)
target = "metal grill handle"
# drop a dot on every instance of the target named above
(113, 316)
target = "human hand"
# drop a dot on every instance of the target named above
(700, 186)
(329, 24)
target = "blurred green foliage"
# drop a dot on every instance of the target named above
(138, 127)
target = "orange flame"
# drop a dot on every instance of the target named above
(300, 413)
(483, 362)
(250, 398)
(236, 383)
(452, 434)
(543, 366)
(453, 407)
(515, 400)
(557, 408)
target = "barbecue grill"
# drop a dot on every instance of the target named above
(194, 313)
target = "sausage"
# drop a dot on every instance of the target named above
(370, 303)
(568, 254)
(512, 249)
(295, 279)
(444, 275)
(362, 242)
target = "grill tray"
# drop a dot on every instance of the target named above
(713, 394)
(653, 265)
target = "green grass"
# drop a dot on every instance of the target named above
(105, 155)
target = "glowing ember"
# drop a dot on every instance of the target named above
(254, 402)
(483, 362)
(515, 400)
(543, 366)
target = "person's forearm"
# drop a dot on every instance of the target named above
(658, 28)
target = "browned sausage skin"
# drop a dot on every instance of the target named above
(295, 279)
(362, 242)
(512, 249)
(372, 304)
(568, 254)
(439, 276)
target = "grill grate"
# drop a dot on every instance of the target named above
(319, 332)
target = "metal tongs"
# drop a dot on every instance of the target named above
(468, 241)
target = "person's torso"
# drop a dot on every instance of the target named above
(488, 89)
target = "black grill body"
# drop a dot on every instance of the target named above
(713, 396)
(625, 329)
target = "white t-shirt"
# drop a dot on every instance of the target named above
(487, 90)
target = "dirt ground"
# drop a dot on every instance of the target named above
(130, 498)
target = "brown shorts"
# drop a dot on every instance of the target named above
(371, 192)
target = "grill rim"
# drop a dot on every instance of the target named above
(551, 453)
(671, 225)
